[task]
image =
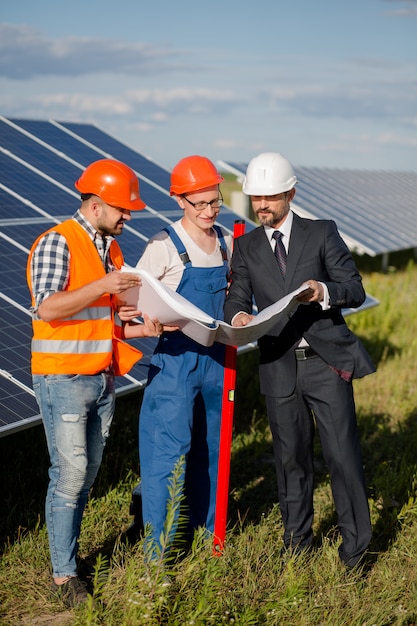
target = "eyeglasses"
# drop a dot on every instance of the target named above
(200, 206)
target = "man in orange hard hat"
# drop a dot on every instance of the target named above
(77, 348)
(181, 410)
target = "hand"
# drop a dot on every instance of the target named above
(117, 282)
(151, 328)
(242, 319)
(313, 294)
(127, 312)
(154, 328)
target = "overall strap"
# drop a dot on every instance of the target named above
(179, 246)
(223, 247)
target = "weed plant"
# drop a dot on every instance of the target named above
(251, 583)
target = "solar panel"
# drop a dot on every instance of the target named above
(109, 145)
(39, 163)
(361, 202)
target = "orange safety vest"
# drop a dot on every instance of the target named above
(89, 341)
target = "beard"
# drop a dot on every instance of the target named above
(109, 229)
(271, 218)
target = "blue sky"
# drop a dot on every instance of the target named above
(327, 83)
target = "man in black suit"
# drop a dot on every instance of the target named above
(306, 367)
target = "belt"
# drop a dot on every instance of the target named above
(302, 354)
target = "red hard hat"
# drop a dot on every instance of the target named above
(112, 181)
(192, 174)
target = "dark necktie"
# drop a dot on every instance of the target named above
(280, 253)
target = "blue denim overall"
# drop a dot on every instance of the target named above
(181, 409)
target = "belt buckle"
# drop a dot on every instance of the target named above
(300, 354)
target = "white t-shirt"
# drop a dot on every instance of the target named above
(160, 257)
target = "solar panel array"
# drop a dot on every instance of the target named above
(375, 211)
(39, 162)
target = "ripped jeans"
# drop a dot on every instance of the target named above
(77, 412)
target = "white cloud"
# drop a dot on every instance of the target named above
(82, 103)
(183, 96)
(408, 10)
(149, 105)
(25, 53)
(373, 97)
(223, 143)
(393, 139)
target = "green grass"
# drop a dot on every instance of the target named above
(250, 583)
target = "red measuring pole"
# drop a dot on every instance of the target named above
(226, 429)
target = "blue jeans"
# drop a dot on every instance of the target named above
(77, 412)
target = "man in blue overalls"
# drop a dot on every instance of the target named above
(181, 409)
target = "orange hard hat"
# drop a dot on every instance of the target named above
(192, 174)
(112, 181)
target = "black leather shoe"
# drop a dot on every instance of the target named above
(363, 564)
(72, 593)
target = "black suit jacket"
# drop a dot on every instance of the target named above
(316, 252)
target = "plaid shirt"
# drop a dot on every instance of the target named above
(51, 260)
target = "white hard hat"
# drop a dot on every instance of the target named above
(267, 174)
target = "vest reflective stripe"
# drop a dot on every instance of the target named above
(72, 347)
(91, 313)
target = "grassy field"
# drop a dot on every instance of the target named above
(250, 584)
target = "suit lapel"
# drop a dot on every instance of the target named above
(298, 239)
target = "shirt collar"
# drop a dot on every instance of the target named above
(92, 232)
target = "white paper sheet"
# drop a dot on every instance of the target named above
(170, 308)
